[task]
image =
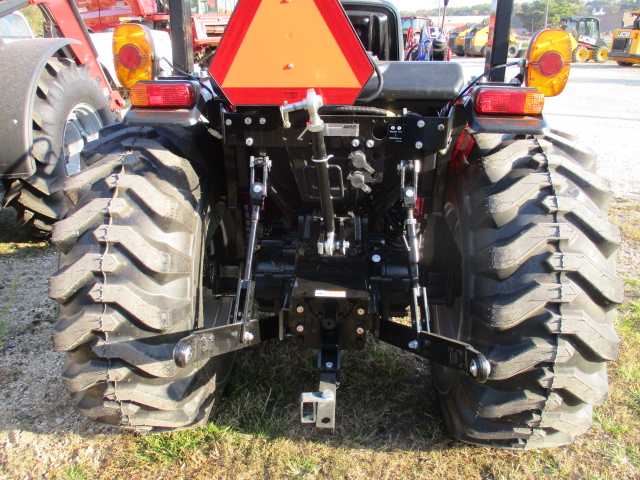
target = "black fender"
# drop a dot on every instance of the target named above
(22, 63)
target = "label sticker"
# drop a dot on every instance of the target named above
(341, 129)
(331, 293)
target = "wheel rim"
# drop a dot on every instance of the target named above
(581, 55)
(603, 55)
(82, 126)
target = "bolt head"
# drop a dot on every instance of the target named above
(441, 127)
(249, 141)
(290, 66)
(413, 345)
(329, 364)
(473, 368)
(418, 145)
(300, 309)
(247, 336)
(247, 120)
(370, 143)
(420, 123)
(300, 328)
(360, 330)
(257, 188)
(228, 122)
(355, 143)
(409, 192)
(360, 311)
(375, 258)
(263, 121)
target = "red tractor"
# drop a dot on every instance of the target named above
(207, 23)
(307, 188)
(54, 98)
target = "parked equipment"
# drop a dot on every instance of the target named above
(589, 45)
(207, 23)
(54, 98)
(313, 190)
(626, 43)
(475, 43)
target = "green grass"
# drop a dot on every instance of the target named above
(7, 303)
(177, 447)
(77, 472)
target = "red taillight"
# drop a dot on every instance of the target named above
(551, 63)
(509, 101)
(157, 94)
(130, 56)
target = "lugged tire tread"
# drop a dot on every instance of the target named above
(39, 199)
(125, 284)
(545, 289)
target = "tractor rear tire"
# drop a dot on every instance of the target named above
(538, 292)
(601, 54)
(580, 54)
(69, 110)
(130, 281)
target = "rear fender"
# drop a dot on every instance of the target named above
(22, 63)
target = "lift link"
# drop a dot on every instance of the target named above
(444, 351)
(409, 172)
(258, 192)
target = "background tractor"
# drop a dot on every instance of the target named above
(207, 23)
(588, 44)
(54, 98)
(314, 190)
(475, 43)
(423, 40)
(626, 43)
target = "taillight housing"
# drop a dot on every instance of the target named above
(134, 54)
(549, 61)
(508, 101)
(164, 94)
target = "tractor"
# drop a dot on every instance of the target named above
(207, 22)
(54, 98)
(626, 43)
(587, 43)
(314, 190)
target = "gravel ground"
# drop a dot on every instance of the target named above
(38, 421)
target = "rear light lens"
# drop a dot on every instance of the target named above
(130, 56)
(133, 54)
(551, 63)
(509, 101)
(163, 94)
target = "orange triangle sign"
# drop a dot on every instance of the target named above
(275, 50)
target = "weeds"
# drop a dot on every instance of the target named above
(177, 447)
(8, 304)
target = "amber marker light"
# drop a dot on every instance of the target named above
(549, 62)
(133, 54)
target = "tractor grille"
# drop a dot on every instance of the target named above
(621, 44)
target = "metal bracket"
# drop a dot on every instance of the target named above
(320, 407)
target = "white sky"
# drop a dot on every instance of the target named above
(415, 5)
